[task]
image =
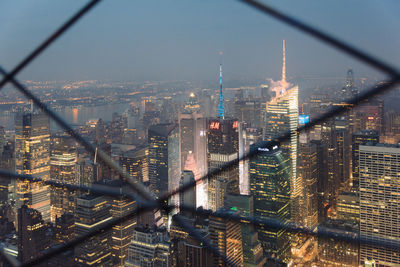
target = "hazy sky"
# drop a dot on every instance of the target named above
(180, 39)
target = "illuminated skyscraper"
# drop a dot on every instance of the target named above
(379, 202)
(253, 255)
(247, 137)
(270, 186)
(281, 117)
(121, 234)
(227, 237)
(193, 143)
(90, 212)
(223, 147)
(62, 170)
(360, 138)
(308, 173)
(135, 162)
(32, 156)
(164, 159)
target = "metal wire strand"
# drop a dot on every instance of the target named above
(139, 188)
(9, 259)
(97, 189)
(323, 37)
(84, 10)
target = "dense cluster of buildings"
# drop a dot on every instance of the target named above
(340, 178)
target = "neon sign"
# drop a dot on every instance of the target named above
(214, 125)
(235, 124)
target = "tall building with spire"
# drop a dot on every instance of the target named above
(281, 116)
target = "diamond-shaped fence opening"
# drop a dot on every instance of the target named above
(132, 190)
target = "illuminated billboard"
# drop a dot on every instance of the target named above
(304, 119)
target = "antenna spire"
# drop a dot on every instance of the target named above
(221, 97)
(284, 63)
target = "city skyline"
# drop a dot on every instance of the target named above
(234, 178)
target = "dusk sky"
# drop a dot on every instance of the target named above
(180, 40)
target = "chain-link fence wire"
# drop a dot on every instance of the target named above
(141, 190)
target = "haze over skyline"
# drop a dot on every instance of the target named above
(180, 40)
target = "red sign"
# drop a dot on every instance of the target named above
(214, 125)
(235, 124)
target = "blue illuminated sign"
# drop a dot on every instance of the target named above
(304, 119)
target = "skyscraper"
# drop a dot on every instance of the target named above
(164, 159)
(227, 237)
(121, 233)
(270, 186)
(360, 138)
(379, 202)
(193, 143)
(32, 156)
(253, 255)
(223, 147)
(192, 130)
(92, 211)
(135, 162)
(32, 238)
(308, 172)
(62, 170)
(189, 196)
(281, 117)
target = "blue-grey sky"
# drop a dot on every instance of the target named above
(140, 40)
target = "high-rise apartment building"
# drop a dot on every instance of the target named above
(379, 202)
(270, 173)
(223, 147)
(32, 156)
